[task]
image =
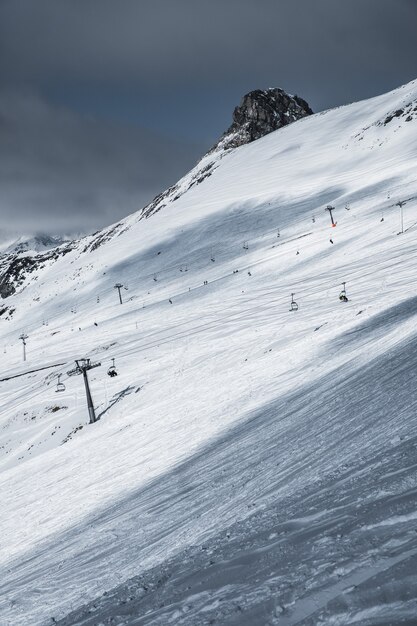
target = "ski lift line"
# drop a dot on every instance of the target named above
(38, 369)
(260, 261)
(213, 323)
(277, 300)
(136, 282)
(271, 257)
(175, 267)
(308, 293)
(335, 274)
(219, 322)
(206, 326)
(244, 268)
(299, 285)
(112, 369)
(193, 331)
(60, 387)
(38, 390)
(164, 271)
(257, 262)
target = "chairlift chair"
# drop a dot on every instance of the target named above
(59, 386)
(342, 296)
(293, 305)
(112, 370)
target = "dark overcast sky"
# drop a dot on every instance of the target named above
(104, 103)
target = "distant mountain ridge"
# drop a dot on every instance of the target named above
(37, 243)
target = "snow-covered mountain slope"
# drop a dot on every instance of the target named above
(251, 465)
(30, 244)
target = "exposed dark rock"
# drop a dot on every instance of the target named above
(260, 113)
(14, 274)
(15, 268)
(408, 113)
(175, 192)
(102, 236)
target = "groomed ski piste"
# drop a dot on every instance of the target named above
(251, 465)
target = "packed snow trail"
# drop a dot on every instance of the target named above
(280, 446)
(312, 522)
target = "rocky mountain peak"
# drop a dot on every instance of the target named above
(259, 113)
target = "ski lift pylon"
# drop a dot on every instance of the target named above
(330, 209)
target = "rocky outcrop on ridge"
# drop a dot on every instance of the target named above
(259, 113)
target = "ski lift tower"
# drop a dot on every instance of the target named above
(23, 337)
(119, 286)
(330, 209)
(400, 204)
(82, 367)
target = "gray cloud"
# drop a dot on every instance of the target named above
(62, 172)
(184, 41)
(103, 103)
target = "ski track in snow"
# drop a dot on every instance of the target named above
(251, 466)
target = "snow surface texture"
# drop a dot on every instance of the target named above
(251, 465)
